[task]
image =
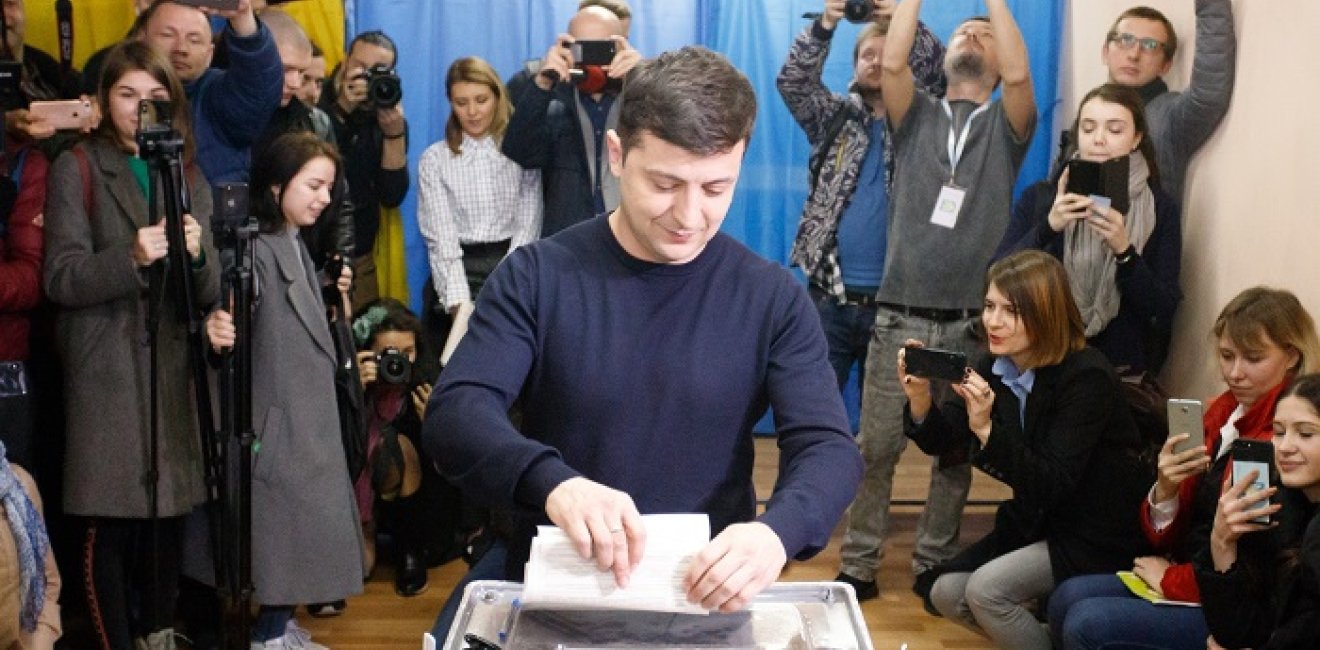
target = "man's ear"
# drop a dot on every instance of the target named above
(615, 147)
(1168, 63)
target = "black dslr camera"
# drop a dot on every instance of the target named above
(393, 367)
(384, 88)
(858, 11)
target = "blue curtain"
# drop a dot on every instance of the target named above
(754, 34)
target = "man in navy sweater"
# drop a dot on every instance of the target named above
(644, 347)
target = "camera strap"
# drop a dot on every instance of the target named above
(64, 20)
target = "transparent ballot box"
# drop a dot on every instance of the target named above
(788, 615)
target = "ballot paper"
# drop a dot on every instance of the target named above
(558, 577)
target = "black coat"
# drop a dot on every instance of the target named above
(1270, 597)
(1074, 468)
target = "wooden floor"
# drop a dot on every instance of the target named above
(380, 619)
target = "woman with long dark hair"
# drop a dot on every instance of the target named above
(306, 543)
(102, 254)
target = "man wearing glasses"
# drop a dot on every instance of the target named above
(1139, 50)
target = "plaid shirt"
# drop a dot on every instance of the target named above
(816, 248)
(475, 197)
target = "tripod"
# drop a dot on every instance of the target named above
(162, 147)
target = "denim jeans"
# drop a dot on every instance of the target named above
(1097, 612)
(882, 443)
(992, 599)
(847, 332)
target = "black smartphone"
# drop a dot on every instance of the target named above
(213, 4)
(592, 52)
(231, 205)
(934, 363)
(1249, 455)
(1108, 179)
(153, 113)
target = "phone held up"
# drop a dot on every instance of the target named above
(67, 114)
(1257, 455)
(229, 5)
(1108, 179)
(933, 363)
(1187, 416)
(587, 53)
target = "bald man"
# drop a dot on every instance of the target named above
(560, 118)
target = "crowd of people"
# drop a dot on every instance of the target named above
(591, 348)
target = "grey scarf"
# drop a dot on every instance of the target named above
(1091, 265)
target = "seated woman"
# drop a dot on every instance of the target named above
(1261, 584)
(1264, 337)
(1046, 417)
(29, 580)
(1123, 268)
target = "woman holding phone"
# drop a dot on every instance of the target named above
(1261, 583)
(1263, 338)
(1044, 416)
(1123, 268)
(102, 253)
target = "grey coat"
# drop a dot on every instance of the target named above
(100, 335)
(306, 539)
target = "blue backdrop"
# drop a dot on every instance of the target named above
(754, 34)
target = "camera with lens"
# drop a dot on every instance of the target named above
(384, 88)
(858, 11)
(393, 367)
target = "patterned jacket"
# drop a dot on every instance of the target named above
(815, 249)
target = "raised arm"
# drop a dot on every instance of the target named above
(896, 81)
(1199, 109)
(799, 81)
(1014, 70)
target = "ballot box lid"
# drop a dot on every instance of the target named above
(788, 615)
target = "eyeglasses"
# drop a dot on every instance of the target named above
(1128, 41)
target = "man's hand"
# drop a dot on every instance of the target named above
(831, 14)
(625, 58)
(242, 19)
(602, 523)
(556, 64)
(735, 566)
(884, 9)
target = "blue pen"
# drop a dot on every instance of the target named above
(508, 620)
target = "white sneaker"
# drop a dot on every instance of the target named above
(295, 638)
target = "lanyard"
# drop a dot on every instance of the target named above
(958, 141)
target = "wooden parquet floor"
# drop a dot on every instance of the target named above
(379, 619)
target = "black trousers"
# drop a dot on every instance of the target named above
(131, 592)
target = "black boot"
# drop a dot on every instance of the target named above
(404, 517)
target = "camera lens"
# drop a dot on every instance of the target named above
(384, 87)
(394, 367)
(857, 11)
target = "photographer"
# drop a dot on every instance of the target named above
(548, 129)
(306, 546)
(362, 97)
(100, 254)
(398, 493)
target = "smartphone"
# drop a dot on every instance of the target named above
(11, 91)
(1249, 455)
(153, 113)
(231, 205)
(212, 4)
(933, 363)
(75, 114)
(1108, 179)
(1187, 416)
(592, 53)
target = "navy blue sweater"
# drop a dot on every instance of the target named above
(647, 378)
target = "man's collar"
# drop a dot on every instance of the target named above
(1152, 90)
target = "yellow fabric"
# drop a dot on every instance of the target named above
(323, 20)
(96, 24)
(391, 272)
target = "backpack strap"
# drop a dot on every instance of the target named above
(837, 121)
(85, 171)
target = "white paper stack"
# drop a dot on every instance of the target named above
(558, 577)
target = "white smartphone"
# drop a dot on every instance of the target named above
(74, 114)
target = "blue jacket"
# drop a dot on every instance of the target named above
(230, 107)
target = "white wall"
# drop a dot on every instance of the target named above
(1252, 205)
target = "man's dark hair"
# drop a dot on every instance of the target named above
(316, 51)
(283, 159)
(377, 38)
(692, 98)
(1148, 13)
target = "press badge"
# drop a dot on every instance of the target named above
(948, 205)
